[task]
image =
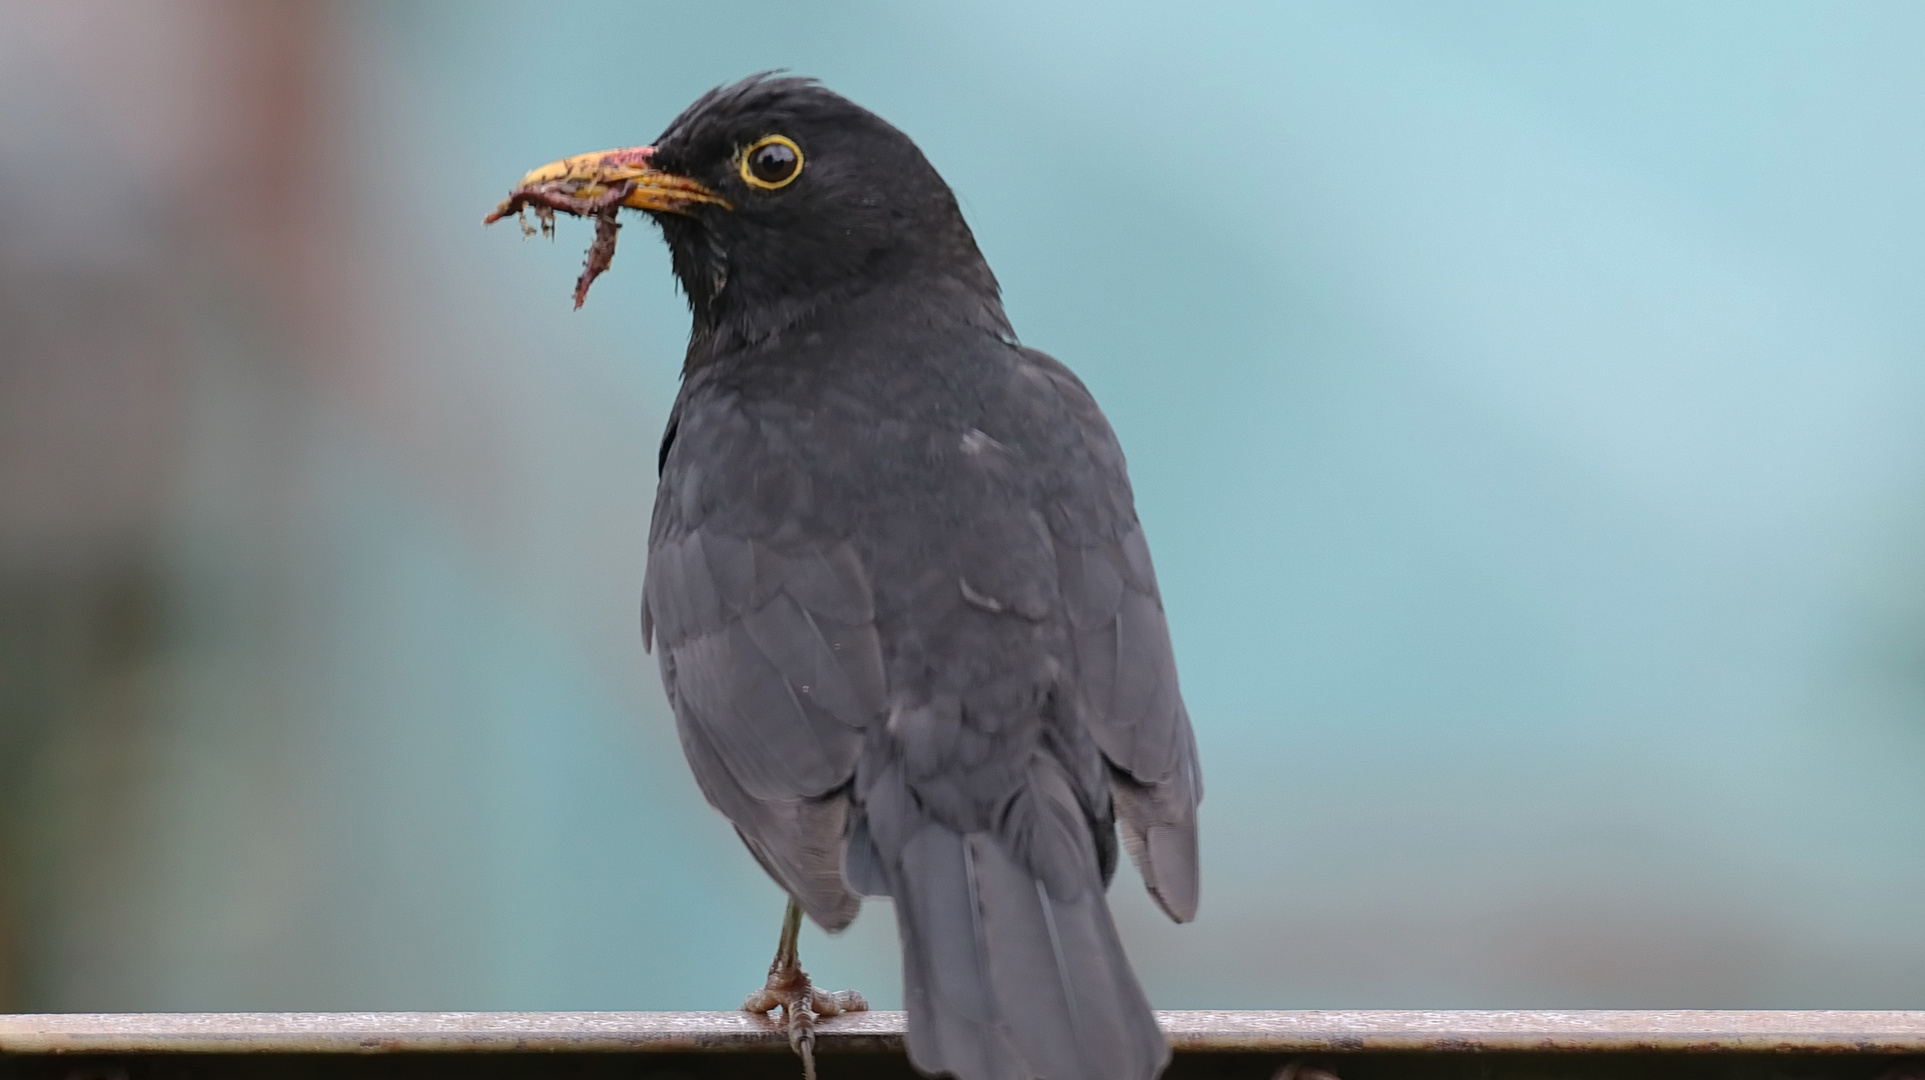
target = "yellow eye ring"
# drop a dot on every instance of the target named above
(770, 162)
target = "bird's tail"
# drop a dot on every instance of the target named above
(1009, 977)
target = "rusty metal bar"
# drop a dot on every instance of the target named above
(1278, 1032)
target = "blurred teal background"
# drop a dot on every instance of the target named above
(1524, 402)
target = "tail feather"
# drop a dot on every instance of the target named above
(1005, 980)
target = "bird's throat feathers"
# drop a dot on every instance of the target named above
(753, 299)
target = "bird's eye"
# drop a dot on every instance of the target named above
(771, 162)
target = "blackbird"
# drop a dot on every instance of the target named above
(903, 607)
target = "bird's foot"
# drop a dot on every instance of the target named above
(802, 1003)
(800, 1000)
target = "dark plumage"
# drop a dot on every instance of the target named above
(903, 607)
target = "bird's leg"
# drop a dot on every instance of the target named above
(801, 1003)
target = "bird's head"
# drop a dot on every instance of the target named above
(776, 196)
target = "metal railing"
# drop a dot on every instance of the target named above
(1354, 1045)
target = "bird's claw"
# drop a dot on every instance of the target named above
(802, 1003)
(827, 1003)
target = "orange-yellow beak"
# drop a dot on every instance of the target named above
(588, 184)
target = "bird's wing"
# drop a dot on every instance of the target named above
(769, 653)
(1125, 667)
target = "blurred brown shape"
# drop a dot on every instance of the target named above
(154, 152)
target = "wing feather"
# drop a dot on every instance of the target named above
(773, 668)
(1126, 669)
